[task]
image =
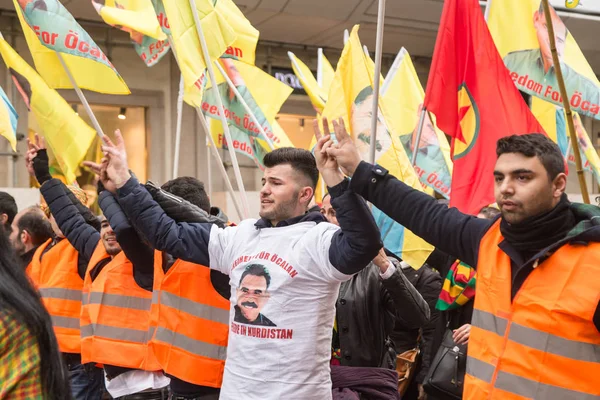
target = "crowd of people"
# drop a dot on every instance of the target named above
(161, 297)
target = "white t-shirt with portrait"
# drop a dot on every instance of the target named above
(280, 335)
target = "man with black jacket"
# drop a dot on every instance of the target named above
(121, 382)
(534, 265)
(306, 257)
(369, 305)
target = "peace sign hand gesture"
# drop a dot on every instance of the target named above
(116, 156)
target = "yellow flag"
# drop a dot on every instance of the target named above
(327, 73)
(316, 94)
(51, 29)
(263, 94)
(520, 33)
(136, 15)
(244, 47)
(8, 120)
(404, 95)
(66, 134)
(350, 97)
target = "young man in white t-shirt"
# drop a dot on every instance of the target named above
(285, 269)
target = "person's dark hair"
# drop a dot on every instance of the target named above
(489, 212)
(36, 224)
(299, 159)
(257, 270)
(18, 297)
(190, 189)
(534, 145)
(542, 14)
(8, 206)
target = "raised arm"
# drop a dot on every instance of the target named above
(449, 229)
(358, 241)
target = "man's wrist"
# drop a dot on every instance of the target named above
(332, 177)
(122, 179)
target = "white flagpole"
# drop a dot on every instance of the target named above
(346, 35)
(487, 9)
(214, 150)
(292, 57)
(245, 105)
(366, 50)
(209, 172)
(215, 154)
(377, 78)
(320, 67)
(393, 70)
(178, 128)
(220, 108)
(82, 98)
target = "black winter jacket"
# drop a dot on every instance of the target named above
(428, 283)
(367, 310)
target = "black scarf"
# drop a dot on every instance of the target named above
(538, 232)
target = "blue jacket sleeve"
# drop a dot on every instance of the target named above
(450, 230)
(82, 236)
(358, 241)
(139, 253)
(187, 241)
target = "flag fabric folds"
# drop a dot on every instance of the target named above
(49, 28)
(67, 135)
(263, 94)
(227, 32)
(475, 109)
(350, 97)
(519, 30)
(139, 19)
(8, 120)
(316, 94)
(405, 96)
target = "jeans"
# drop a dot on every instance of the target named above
(87, 381)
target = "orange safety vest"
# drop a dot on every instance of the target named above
(543, 344)
(189, 322)
(56, 277)
(115, 315)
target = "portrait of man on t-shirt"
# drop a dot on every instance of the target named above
(252, 295)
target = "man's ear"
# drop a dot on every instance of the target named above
(3, 219)
(306, 194)
(25, 237)
(559, 185)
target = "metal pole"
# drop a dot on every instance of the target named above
(245, 105)
(220, 108)
(487, 9)
(566, 105)
(319, 67)
(209, 171)
(413, 161)
(178, 128)
(82, 98)
(222, 169)
(377, 78)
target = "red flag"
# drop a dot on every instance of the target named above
(475, 101)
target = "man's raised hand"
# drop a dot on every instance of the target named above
(344, 151)
(327, 165)
(116, 169)
(100, 171)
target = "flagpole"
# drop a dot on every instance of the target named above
(346, 35)
(413, 161)
(222, 169)
(366, 50)
(178, 128)
(209, 171)
(245, 105)
(393, 70)
(487, 10)
(320, 67)
(377, 78)
(214, 150)
(566, 105)
(220, 107)
(82, 98)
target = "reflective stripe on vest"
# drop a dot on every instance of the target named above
(65, 322)
(117, 300)
(535, 339)
(111, 332)
(543, 343)
(60, 293)
(522, 386)
(196, 347)
(198, 310)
